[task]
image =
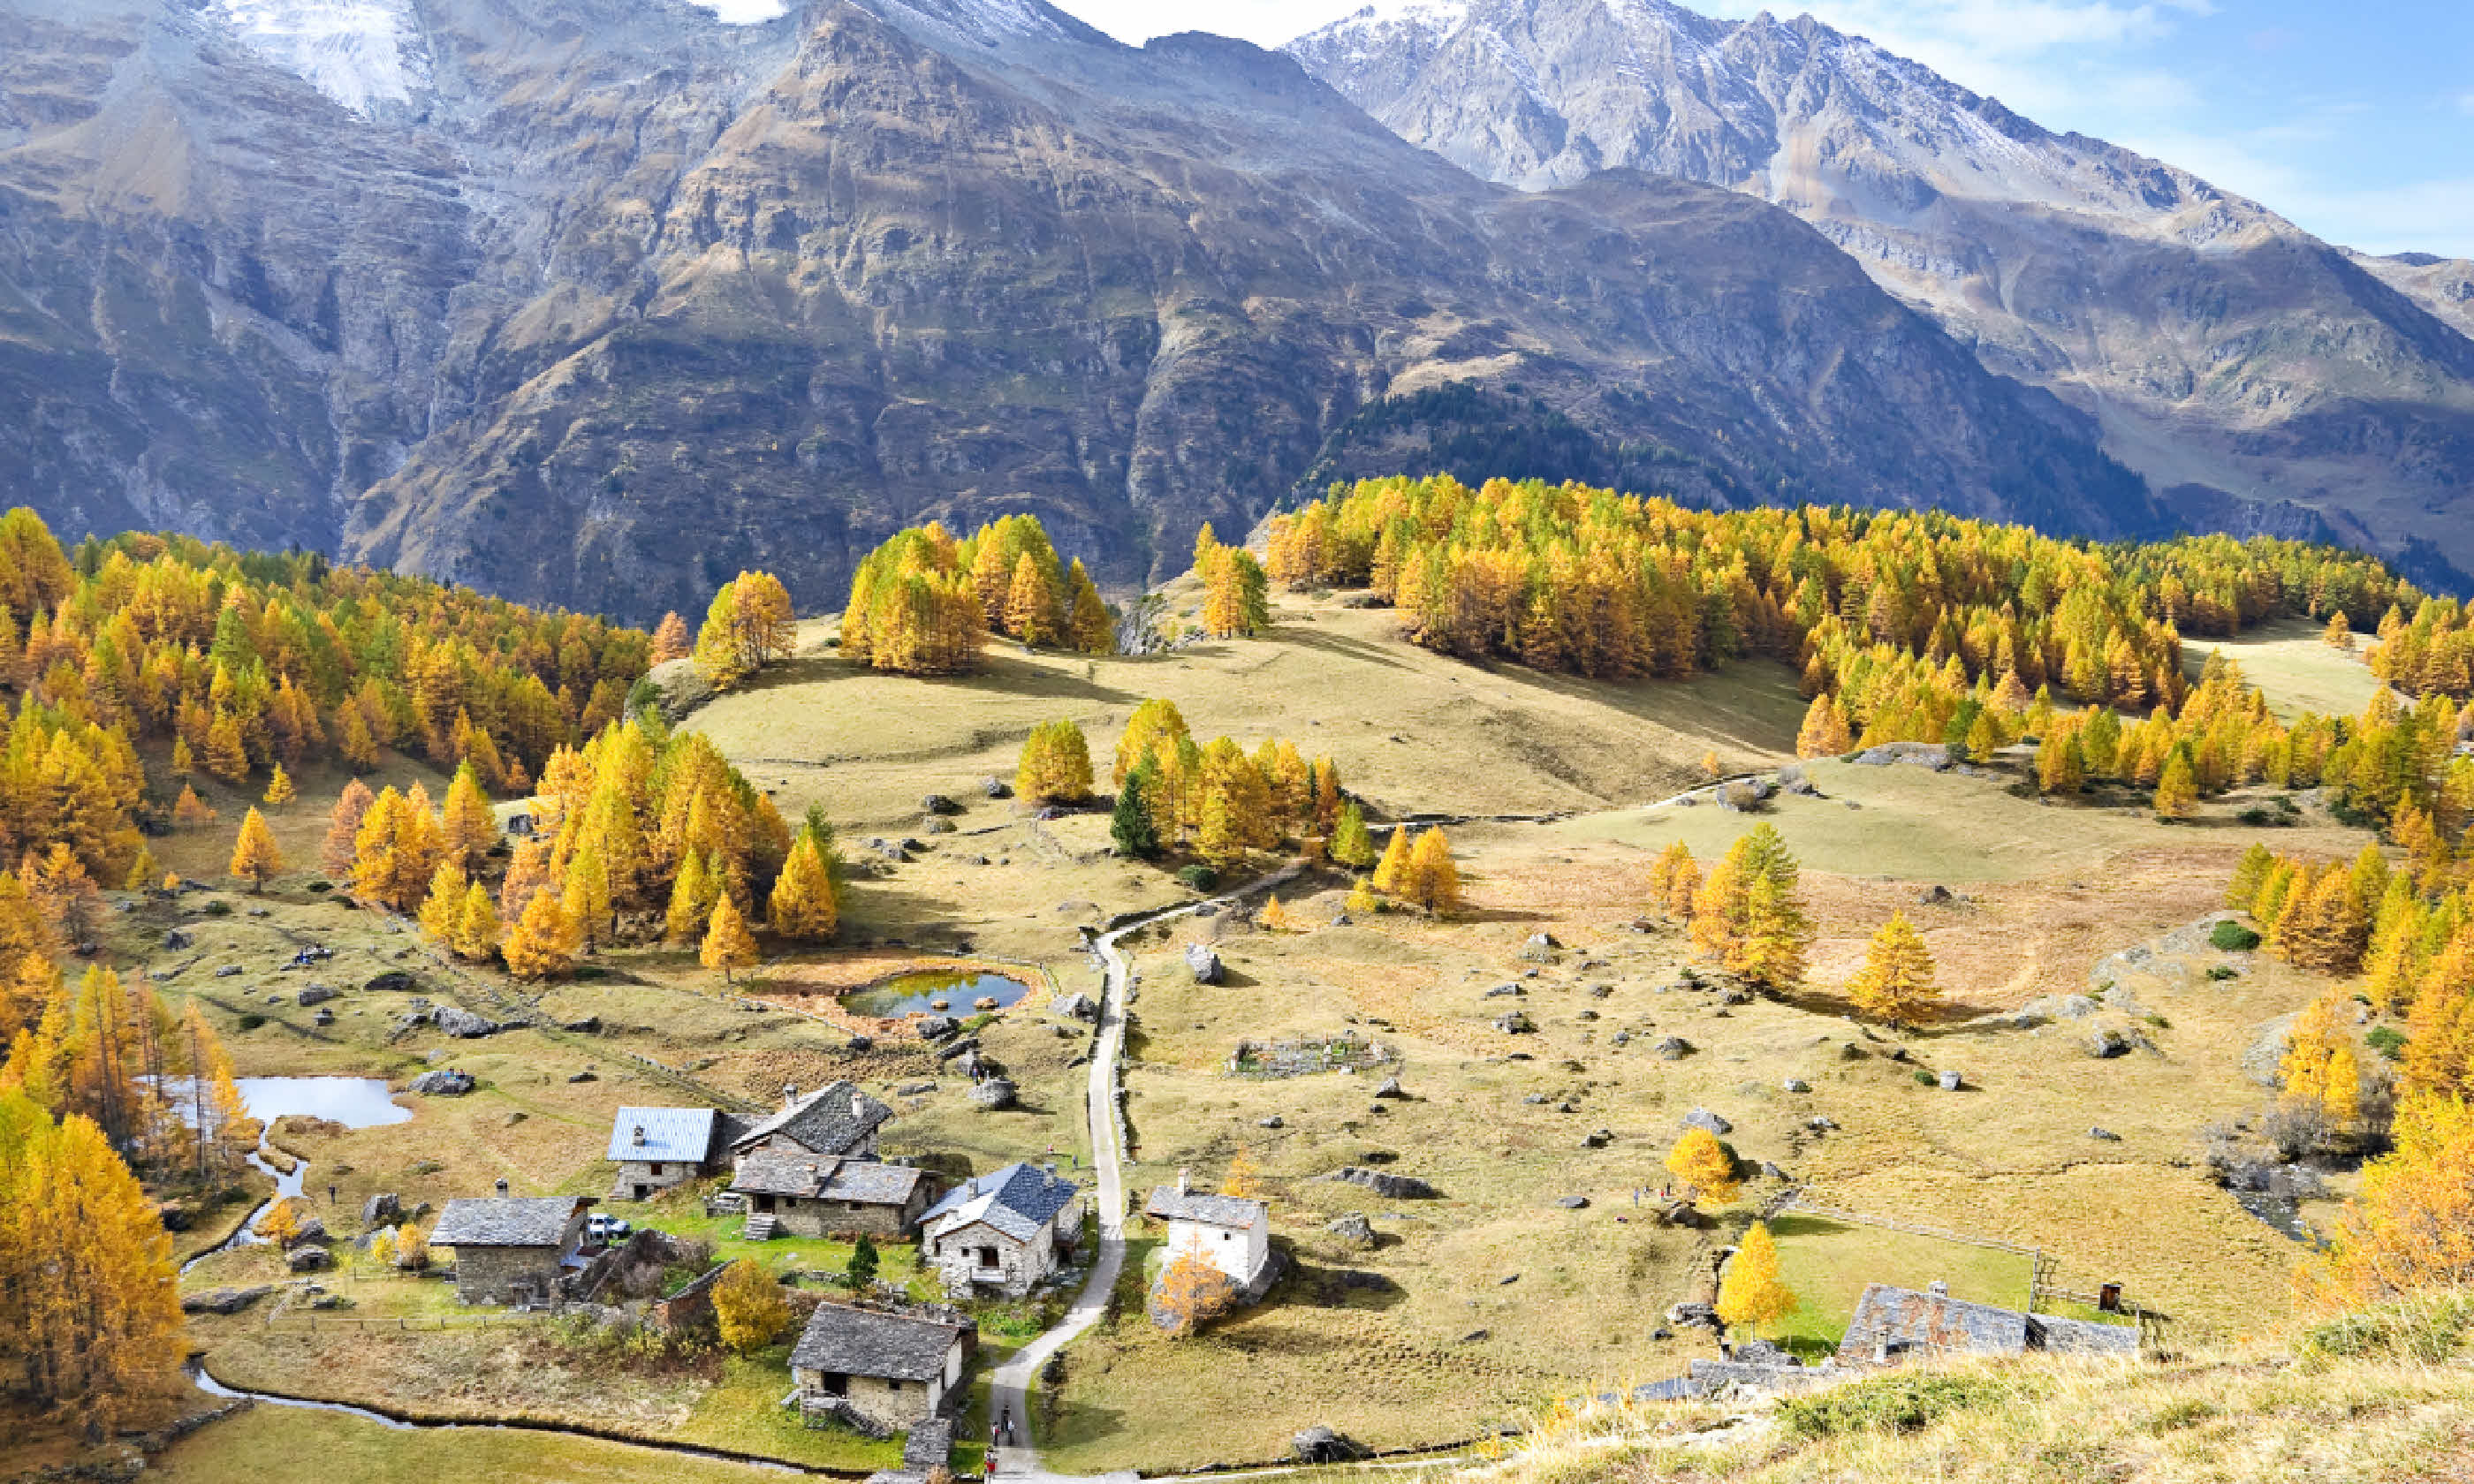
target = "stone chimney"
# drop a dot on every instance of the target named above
(502, 1186)
(790, 1094)
(859, 1104)
(640, 1135)
(1938, 1288)
(1185, 1184)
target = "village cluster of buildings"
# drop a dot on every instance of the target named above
(812, 1168)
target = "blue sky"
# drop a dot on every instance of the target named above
(2355, 118)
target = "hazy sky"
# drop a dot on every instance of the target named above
(2353, 117)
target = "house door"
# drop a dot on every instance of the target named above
(837, 1384)
(764, 1202)
(641, 1192)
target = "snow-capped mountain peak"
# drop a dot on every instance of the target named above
(361, 52)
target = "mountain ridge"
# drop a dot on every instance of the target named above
(2224, 351)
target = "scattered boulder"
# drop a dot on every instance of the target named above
(914, 1090)
(859, 1044)
(1937, 897)
(1796, 1084)
(1274, 1121)
(1597, 1139)
(384, 1210)
(936, 825)
(1574, 1202)
(1397, 1187)
(996, 787)
(174, 938)
(311, 1231)
(463, 1024)
(1353, 1228)
(586, 1025)
(936, 1027)
(586, 1075)
(1204, 964)
(223, 1301)
(1704, 1118)
(442, 1083)
(1951, 1082)
(322, 1017)
(228, 971)
(314, 994)
(1672, 1048)
(1821, 1123)
(1322, 1446)
(954, 1050)
(1078, 1006)
(309, 1259)
(2105, 1043)
(1694, 1314)
(939, 804)
(1502, 990)
(394, 980)
(1920, 755)
(1514, 1022)
(996, 1094)
(1391, 1088)
(2106, 1134)
(2261, 1062)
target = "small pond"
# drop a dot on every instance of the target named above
(354, 1102)
(917, 994)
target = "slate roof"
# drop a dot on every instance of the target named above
(1016, 1200)
(786, 1172)
(864, 1342)
(682, 1136)
(507, 1221)
(1907, 1319)
(821, 1122)
(871, 1183)
(1213, 1210)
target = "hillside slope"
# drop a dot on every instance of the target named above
(2258, 376)
(600, 300)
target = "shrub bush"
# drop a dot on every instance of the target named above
(2231, 937)
(1905, 1401)
(252, 1020)
(2387, 1040)
(1199, 877)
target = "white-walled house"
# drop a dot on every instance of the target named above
(1227, 1231)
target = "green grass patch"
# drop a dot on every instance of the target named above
(270, 1442)
(2231, 937)
(1826, 1263)
(743, 1414)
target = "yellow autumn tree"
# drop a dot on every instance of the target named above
(1352, 846)
(1243, 1178)
(2177, 787)
(342, 824)
(693, 893)
(546, 938)
(1702, 1162)
(728, 945)
(468, 827)
(478, 928)
(1432, 878)
(1394, 863)
(1825, 731)
(670, 640)
(804, 904)
(1276, 917)
(1362, 900)
(442, 911)
(2411, 1228)
(1896, 984)
(749, 1307)
(278, 787)
(189, 811)
(255, 857)
(1056, 765)
(1190, 1294)
(1752, 1295)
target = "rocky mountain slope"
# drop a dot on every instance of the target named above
(2230, 356)
(595, 302)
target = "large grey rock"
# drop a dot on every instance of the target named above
(2263, 1058)
(1204, 964)
(936, 1027)
(384, 1208)
(1796, 1084)
(939, 804)
(223, 1301)
(1353, 1228)
(1398, 1187)
(309, 1259)
(1078, 1006)
(995, 1095)
(1390, 1087)
(1672, 1048)
(1323, 1446)
(463, 1024)
(1514, 1022)
(2106, 1042)
(1949, 1081)
(1704, 1118)
(444, 1082)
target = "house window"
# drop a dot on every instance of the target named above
(657, 1171)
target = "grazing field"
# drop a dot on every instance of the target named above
(1537, 1269)
(271, 1441)
(2288, 659)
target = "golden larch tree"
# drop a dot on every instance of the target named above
(255, 858)
(1702, 1162)
(728, 945)
(1190, 1294)
(1352, 846)
(342, 824)
(1434, 877)
(804, 905)
(1896, 984)
(278, 788)
(469, 827)
(1824, 733)
(546, 938)
(1751, 1294)
(749, 1307)
(670, 639)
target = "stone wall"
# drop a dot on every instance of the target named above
(633, 1173)
(1019, 1266)
(505, 1275)
(805, 1216)
(889, 1406)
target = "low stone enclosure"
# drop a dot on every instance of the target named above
(1346, 1052)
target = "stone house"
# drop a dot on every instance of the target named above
(1228, 1232)
(814, 1195)
(1892, 1324)
(656, 1148)
(512, 1250)
(881, 1372)
(836, 1121)
(1003, 1233)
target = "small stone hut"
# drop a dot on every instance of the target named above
(881, 1372)
(1003, 1233)
(512, 1248)
(815, 1195)
(656, 1148)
